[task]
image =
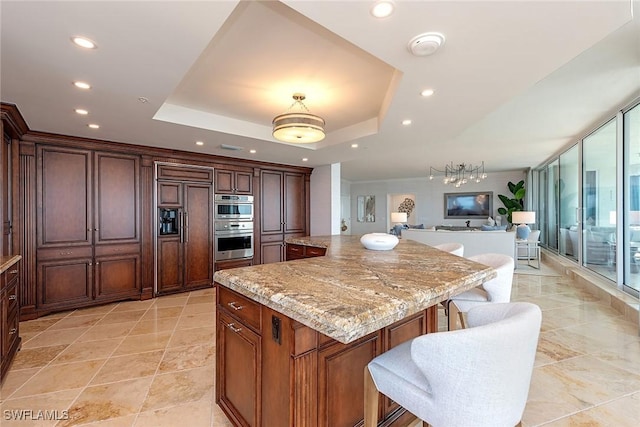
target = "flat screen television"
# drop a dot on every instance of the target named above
(474, 205)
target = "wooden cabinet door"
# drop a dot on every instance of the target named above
(117, 195)
(64, 205)
(271, 196)
(117, 276)
(224, 182)
(5, 191)
(233, 182)
(65, 283)
(272, 252)
(170, 273)
(244, 182)
(342, 364)
(169, 194)
(198, 235)
(238, 384)
(294, 203)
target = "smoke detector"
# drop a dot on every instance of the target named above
(425, 44)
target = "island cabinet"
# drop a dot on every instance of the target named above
(87, 227)
(295, 251)
(233, 181)
(283, 211)
(9, 318)
(274, 371)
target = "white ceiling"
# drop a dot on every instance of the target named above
(514, 82)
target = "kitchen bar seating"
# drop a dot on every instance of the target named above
(492, 291)
(478, 376)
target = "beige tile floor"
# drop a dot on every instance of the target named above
(151, 363)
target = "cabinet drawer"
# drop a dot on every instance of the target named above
(11, 332)
(11, 295)
(239, 306)
(65, 253)
(106, 250)
(264, 238)
(294, 250)
(312, 251)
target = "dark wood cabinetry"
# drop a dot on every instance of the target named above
(229, 181)
(273, 371)
(295, 251)
(9, 316)
(233, 263)
(239, 346)
(5, 194)
(185, 256)
(88, 227)
(283, 211)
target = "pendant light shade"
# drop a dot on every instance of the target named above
(300, 126)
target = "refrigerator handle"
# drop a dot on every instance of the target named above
(181, 225)
(186, 227)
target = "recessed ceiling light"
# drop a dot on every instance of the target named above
(354, 145)
(304, 159)
(93, 126)
(406, 122)
(427, 92)
(199, 143)
(82, 85)
(81, 111)
(382, 8)
(83, 42)
(252, 151)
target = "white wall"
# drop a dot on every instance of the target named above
(325, 200)
(429, 199)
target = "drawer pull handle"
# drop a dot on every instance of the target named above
(13, 272)
(233, 305)
(66, 253)
(13, 297)
(232, 326)
(13, 331)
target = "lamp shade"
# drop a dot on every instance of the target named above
(398, 217)
(523, 217)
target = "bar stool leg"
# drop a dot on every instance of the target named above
(370, 400)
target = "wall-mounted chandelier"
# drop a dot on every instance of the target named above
(459, 174)
(298, 125)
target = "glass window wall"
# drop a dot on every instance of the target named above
(599, 200)
(631, 124)
(568, 196)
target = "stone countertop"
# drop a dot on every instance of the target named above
(6, 262)
(352, 291)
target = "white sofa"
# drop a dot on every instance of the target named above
(475, 242)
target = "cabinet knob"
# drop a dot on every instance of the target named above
(13, 331)
(13, 297)
(232, 326)
(97, 262)
(90, 263)
(234, 305)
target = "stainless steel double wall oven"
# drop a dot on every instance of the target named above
(233, 232)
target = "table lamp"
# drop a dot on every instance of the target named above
(522, 218)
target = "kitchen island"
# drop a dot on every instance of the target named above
(293, 338)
